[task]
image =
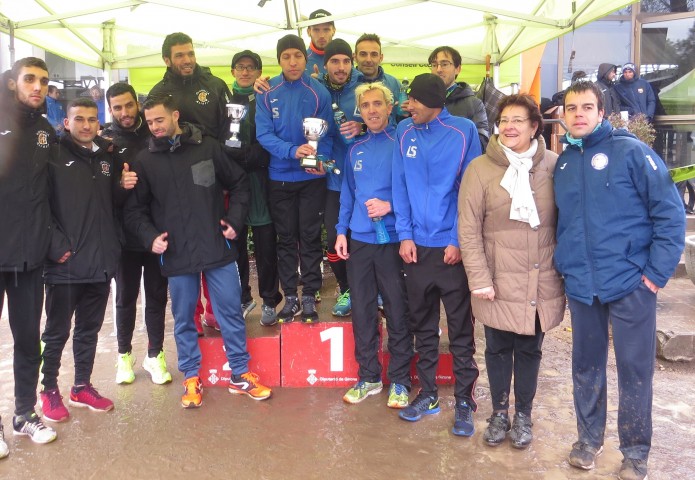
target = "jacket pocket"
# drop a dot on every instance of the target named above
(204, 173)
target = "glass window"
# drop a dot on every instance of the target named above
(667, 6)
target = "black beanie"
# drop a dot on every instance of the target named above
(291, 41)
(428, 89)
(336, 46)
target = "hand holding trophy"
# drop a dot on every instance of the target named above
(236, 113)
(314, 129)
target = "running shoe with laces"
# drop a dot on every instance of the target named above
(463, 420)
(31, 425)
(309, 313)
(289, 310)
(398, 396)
(192, 393)
(246, 308)
(422, 405)
(248, 384)
(124, 368)
(343, 307)
(52, 406)
(88, 396)
(361, 390)
(584, 455)
(4, 449)
(268, 316)
(157, 367)
(497, 429)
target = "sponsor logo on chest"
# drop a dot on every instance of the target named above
(202, 97)
(42, 137)
(105, 168)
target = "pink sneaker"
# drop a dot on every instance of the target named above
(52, 406)
(87, 396)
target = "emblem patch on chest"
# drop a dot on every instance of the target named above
(105, 168)
(202, 97)
(599, 161)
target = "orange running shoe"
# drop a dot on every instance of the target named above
(247, 383)
(193, 393)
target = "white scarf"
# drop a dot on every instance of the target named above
(516, 182)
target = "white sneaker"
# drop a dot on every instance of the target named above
(157, 366)
(124, 368)
(32, 426)
(4, 449)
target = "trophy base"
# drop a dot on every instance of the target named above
(309, 163)
(233, 143)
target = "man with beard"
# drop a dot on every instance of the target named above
(25, 138)
(321, 35)
(130, 135)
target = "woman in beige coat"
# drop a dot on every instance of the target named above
(506, 230)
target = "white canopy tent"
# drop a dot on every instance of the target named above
(124, 34)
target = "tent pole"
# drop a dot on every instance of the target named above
(12, 51)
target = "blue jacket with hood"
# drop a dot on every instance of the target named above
(619, 217)
(280, 113)
(428, 162)
(367, 175)
(636, 96)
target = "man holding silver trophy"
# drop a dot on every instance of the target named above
(294, 124)
(244, 149)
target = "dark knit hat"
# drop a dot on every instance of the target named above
(291, 41)
(248, 54)
(336, 46)
(320, 13)
(428, 89)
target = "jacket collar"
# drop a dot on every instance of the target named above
(190, 134)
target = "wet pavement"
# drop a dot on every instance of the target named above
(311, 434)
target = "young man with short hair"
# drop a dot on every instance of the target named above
(368, 58)
(620, 235)
(86, 185)
(374, 264)
(25, 139)
(297, 196)
(321, 35)
(178, 211)
(130, 135)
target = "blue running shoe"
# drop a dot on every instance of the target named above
(422, 405)
(343, 306)
(463, 420)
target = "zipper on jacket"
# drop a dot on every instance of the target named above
(586, 228)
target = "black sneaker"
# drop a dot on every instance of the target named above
(584, 455)
(422, 405)
(463, 420)
(521, 435)
(309, 313)
(289, 310)
(633, 469)
(496, 431)
(31, 425)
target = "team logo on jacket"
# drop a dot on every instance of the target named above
(599, 161)
(42, 139)
(202, 97)
(105, 168)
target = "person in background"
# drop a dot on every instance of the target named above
(605, 80)
(507, 219)
(636, 94)
(321, 35)
(54, 110)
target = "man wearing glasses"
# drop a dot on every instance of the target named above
(253, 158)
(445, 62)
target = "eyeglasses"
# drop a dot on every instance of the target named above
(443, 64)
(241, 68)
(516, 121)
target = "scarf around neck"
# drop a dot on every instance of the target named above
(516, 181)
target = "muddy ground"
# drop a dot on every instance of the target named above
(312, 434)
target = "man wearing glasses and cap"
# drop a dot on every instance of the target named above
(253, 158)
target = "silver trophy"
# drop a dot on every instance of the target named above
(236, 113)
(314, 129)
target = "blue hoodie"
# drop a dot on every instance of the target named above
(619, 216)
(345, 98)
(280, 113)
(367, 176)
(428, 162)
(636, 95)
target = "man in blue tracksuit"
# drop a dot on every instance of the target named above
(636, 95)
(620, 234)
(374, 264)
(321, 35)
(432, 151)
(297, 196)
(341, 81)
